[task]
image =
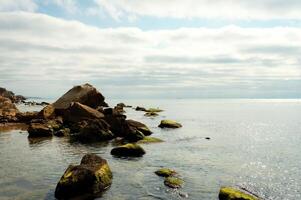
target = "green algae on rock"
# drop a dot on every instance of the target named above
(90, 178)
(165, 172)
(151, 114)
(153, 110)
(148, 139)
(169, 124)
(128, 150)
(173, 182)
(229, 193)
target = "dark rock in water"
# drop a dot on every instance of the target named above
(151, 114)
(27, 117)
(134, 135)
(62, 132)
(128, 150)
(153, 110)
(85, 94)
(39, 130)
(92, 131)
(148, 140)
(169, 124)
(85, 181)
(229, 193)
(134, 125)
(10, 95)
(138, 108)
(79, 112)
(119, 109)
(207, 138)
(173, 182)
(47, 113)
(121, 105)
(165, 172)
(8, 110)
(118, 124)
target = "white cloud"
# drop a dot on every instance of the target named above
(220, 9)
(36, 47)
(14, 5)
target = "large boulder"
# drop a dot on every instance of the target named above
(229, 193)
(8, 110)
(48, 112)
(128, 150)
(92, 131)
(10, 95)
(77, 112)
(117, 122)
(26, 117)
(85, 94)
(134, 125)
(85, 181)
(169, 124)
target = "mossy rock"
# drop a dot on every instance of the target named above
(153, 110)
(169, 124)
(151, 114)
(134, 136)
(173, 182)
(128, 150)
(147, 140)
(165, 172)
(229, 193)
(88, 179)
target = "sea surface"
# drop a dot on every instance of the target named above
(255, 144)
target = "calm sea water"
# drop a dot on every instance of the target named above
(254, 144)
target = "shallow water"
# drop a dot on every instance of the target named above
(254, 144)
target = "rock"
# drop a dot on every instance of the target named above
(88, 179)
(118, 124)
(173, 182)
(207, 138)
(153, 110)
(93, 131)
(8, 110)
(62, 132)
(47, 113)
(85, 94)
(134, 136)
(27, 117)
(78, 112)
(228, 193)
(151, 114)
(10, 95)
(128, 150)
(119, 109)
(121, 105)
(165, 172)
(169, 124)
(147, 140)
(140, 108)
(134, 125)
(39, 130)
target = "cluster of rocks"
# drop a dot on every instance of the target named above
(171, 177)
(10, 95)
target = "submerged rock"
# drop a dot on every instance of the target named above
(8, 110)
(39, 130)
(229, 193)
(153, 110)
(85, 94)
(173, 182)
(165, 172)
(128, 150)
(148, 139)
(169, 124)
(151, 114)
(88, 179)
(135, 125)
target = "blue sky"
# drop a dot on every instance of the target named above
(142, 48)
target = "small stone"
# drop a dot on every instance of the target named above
(165, 172)
(173, 182)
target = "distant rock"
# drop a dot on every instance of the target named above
(85, 94)
(128, 150)
(78, 112)
(138, 108)
(151, 114)
(148, 140)
(8, 110)
(85, 181)
(153, 110)
(10, 95)
(229, 193)
(169, 124)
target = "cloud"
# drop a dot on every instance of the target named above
(14, 5)
(207, 9)
(42, 49)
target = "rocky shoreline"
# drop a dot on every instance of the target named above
(82, 114)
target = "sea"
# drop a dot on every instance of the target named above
(249, 143)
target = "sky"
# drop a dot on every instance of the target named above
(152, 48)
